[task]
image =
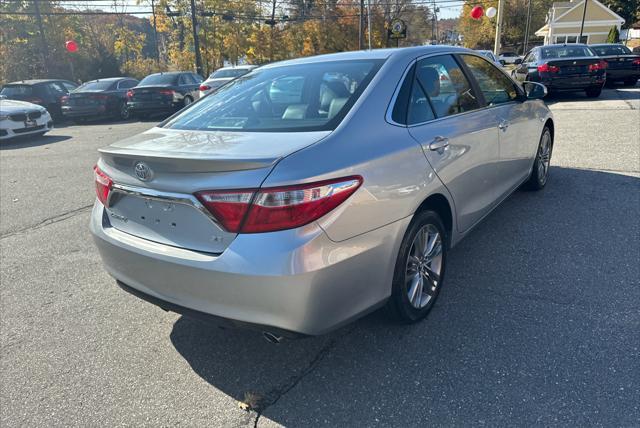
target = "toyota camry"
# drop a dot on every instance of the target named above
(310, 192)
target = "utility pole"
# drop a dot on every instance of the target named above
(496, 45)
(155, 31)
(584, 14)
(526, 31)
(273, 24)
(196, 42)
(369, 21)
(43, 40)
(361, 27)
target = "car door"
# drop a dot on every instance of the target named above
(515, 117)
(458, 137)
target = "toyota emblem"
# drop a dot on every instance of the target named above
(143, 172)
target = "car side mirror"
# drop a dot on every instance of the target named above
(534, 90)
(518, 61)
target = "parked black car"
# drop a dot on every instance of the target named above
(623, 65)
(46, 92)
(569, 67)
(99, 98)
(163, 93)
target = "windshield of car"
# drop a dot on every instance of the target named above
(559, 52)
(302, 97)
(17, 91)
(96, 85)
(611, 50)
(229, 72)
(159, 79)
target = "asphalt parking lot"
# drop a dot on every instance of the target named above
(538, 323)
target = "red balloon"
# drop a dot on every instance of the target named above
(71, 46)
(477, 12)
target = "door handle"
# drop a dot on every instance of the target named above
(504, 124)
(438, 143)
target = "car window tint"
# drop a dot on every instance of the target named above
(419, 107)
(126, 84)
(400, 108)
(159, 79)
(611, 50)
(495, 86)
(17, 91)
(446, 86)
(559, 52)
(299, 97)
(56, 88)
(196, 78)
(69, 86)
(96, 85)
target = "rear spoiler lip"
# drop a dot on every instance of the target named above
(183, 162)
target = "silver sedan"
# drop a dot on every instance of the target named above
(310, 192)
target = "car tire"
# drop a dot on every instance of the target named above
(540, 170)
(420, 268)
(123, 111)
(594, 92)
(186, 101)
(631, 81)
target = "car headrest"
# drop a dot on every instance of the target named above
(295, 111)
(430, 78)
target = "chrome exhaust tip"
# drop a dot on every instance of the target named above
(272, 338)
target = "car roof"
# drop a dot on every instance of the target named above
(563, 45)
(110, 79)
(37, 81)
(371, 54)
(608, 44)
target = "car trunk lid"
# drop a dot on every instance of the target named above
(156, 174)
(573, 66)
(151, 93)
(618, 62)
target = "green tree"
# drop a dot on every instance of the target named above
(614, 35)
(628, 9)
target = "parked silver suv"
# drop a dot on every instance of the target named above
(310, 192)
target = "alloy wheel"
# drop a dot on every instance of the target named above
(544, 158)
(424, 266)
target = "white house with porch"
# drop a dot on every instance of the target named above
(564, 20)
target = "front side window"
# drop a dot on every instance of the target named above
(446, 86)
(495, 86)
(57, 89)
(301, 97)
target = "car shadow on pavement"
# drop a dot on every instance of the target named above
(537, 323)
(31, 141)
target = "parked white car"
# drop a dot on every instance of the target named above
(19, 118)
(222, 76)
(509, 58)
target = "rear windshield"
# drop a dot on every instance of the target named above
(230, 72)
(95, 86)
(159, 79)
(611, 50)
(17, 91)
(559, 52)
(302, 97)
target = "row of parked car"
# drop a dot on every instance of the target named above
(32, 106)
(574, 67)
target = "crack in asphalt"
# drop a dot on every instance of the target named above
(51, 220)
(275, 394)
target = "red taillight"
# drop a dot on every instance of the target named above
(64, 100)
(166, 92)
(204, 87)
(103, 185)
(129, 93)
(546, 68)
(601, 65)
(279, 208)
(636, 61)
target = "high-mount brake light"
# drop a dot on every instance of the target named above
(277, 208)
(103, 185)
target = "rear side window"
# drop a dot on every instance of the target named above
(419, 105)
(401, 106)
(445, 84)
(17, 91)
(96, 85)
(611, 50)
(495, 86)
(126, 84)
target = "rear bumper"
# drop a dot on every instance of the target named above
(91, 111)
(152, 107)
(613, 74)
(572, 83)
(289, 282)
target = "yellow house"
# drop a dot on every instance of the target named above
(564, 20)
